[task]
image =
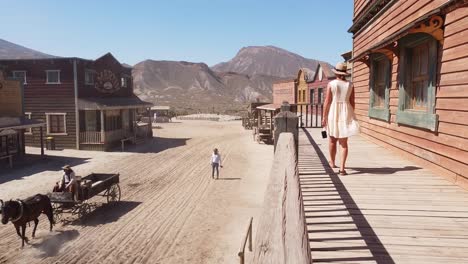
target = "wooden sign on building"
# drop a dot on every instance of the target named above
(11, 99)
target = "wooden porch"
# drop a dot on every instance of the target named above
(387, 210)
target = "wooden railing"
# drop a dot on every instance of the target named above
(93, 137)
(248, 236)
(90, 137)
(281, 235)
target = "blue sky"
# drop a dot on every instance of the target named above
(208, 31)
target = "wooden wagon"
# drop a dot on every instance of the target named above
(95, 184)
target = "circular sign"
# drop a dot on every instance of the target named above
(107, 82)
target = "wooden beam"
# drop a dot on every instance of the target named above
(41, 135)
(432, 27)
(103, 133)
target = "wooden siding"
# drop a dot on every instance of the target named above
(302, 86)
(359, 6)
(107, 62)
(397, 16)
(447, 149)
(41, 98)
(284, 91)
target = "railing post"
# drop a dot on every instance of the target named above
(286, 121)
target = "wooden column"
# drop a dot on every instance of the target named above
(23, 141)
(103, 132)
(41, 138)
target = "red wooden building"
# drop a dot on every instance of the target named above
(411, 80)
(86, 104)
(317, 88)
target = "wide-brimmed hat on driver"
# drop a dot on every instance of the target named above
(66, 167)
(340, 69)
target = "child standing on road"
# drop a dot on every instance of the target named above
(215, 163)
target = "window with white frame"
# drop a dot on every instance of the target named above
(53, 76)
(21, 75)
(27, 115)
(123, 82)
(56, 123)
(89, 77)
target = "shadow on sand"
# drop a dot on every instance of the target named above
(155, 145)
(102, 214)
(32, 164)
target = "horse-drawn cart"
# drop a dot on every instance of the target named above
(95, 184)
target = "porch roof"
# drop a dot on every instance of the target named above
(112, 103)
(270, 107)
(18, 123)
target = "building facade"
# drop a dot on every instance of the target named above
(86, 104)
(317, 88)
(284, 90)
(410, 75)
(304, 75)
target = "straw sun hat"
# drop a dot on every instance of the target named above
(340, 69)
(66, 167)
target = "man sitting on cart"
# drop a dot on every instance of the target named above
(68, 182)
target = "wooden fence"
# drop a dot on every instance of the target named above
(281, 235)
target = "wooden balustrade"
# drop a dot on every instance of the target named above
(90, 137)
(282, 234)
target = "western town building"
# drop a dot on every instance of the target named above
(317, 87)
(284, 90)
(13, 124)
(411, 79)
(85, 104)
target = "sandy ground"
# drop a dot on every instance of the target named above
(171, 210)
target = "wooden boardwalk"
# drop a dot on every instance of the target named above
(387, 210)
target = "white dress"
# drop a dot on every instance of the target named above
(342, 122)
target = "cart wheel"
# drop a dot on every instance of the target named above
(58, 212)
(84, 210)
(113, 193)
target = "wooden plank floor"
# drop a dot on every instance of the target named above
(387, 210)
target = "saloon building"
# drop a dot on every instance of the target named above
(411, 80)
(85, 104)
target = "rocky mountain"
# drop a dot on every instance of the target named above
(10, 50)
(195, 86)
(266, 60)
(247, 77)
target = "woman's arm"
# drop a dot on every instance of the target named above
(326, 106)
(352, 98)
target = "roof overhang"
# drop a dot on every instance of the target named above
(18, 123)
(269, 107)
(112, 103)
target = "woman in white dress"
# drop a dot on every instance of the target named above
(338, 115)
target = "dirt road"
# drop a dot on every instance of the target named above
(171, 210)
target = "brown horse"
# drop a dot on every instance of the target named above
(22, 212)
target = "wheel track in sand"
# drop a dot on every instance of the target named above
(175, 209)
(132, 222)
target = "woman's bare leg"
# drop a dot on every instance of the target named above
(344, 152)
(332, 150)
